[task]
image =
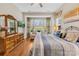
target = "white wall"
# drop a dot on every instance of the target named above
(11, 9)
(69, 6)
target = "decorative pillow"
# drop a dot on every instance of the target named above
(72, 36)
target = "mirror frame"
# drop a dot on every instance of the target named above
(6, 18)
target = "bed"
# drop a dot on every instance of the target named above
(50, 45)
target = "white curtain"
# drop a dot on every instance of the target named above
(38, 21)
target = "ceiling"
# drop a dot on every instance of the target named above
(47, 7)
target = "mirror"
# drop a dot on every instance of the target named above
(11, 26)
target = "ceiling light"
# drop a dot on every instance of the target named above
(40, 4)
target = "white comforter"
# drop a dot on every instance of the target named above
(50, 45)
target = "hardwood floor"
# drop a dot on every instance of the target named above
(22, 50)
(27, 47)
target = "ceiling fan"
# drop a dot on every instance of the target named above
(40, 4)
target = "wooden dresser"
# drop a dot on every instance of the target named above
(11, 42)
(10, 38)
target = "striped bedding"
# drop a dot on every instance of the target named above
(50, 45)
(38, 46)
